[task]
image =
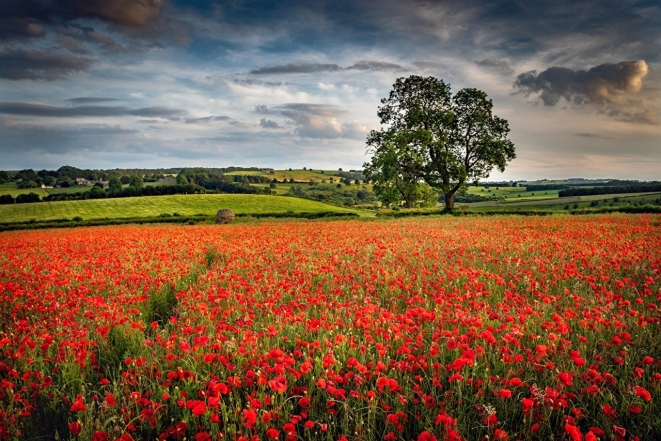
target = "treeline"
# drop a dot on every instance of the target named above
(352, 175)
(347, 195)
(213, 179)
(469, 198)
(543, 187)
(638, 188)
(155, 190)
(613, 183)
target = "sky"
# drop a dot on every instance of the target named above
(155, 83)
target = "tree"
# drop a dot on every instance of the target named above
(27, 198)
(136, 182)
(182, 179)
(114, 185)
(391, 184)
(431, 136)
(97, 193)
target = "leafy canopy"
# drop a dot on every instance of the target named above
(430, 136)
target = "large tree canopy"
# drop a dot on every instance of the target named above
(429, 136)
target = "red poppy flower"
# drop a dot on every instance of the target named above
(75, 428)
(249, 417)
(78, 405)
(426, 436)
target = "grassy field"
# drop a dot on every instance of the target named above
(573, 202)
(155, 205)
(12, 189)
(518, 194)
(297, 175)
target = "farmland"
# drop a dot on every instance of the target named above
(453, 328)
(155, 205)
(297, 175)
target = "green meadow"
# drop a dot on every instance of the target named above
(296, 175)
(185, 205)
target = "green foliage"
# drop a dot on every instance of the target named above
(148, 207)
(97, 193)
(161, 305)
(334, 194)
(6, 199)
(136, 182)
(114, 185)
(182, 179)
(432, 136)
(27, 184)
(27, 198)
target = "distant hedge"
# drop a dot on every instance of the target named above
(642, 188)
(7, 199)
(542, 187)
(161, 219)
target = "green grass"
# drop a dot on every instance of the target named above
(60, 190)
(12, 189)
(280, 188)
(513, 194)
(574, 202)
(150, 206)
(297, 175)
(246, 173)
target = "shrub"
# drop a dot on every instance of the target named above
(6, 199)
(27, 198)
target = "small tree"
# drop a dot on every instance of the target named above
(182, 179)
(442, 140)
(136, 182)
(114, 185)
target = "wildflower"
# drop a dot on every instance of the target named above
(75, 428)
(78, 405)
(249, 417)
(426, 436)
(565, 378)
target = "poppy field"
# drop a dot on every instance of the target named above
(501, 328)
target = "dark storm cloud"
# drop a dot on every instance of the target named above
(22, 17)
(132, 13)
(293, 68)
(606, 83)
(268, 124)
(501, 65)
(59, 139)
(26, 109)
(613, 89)
(90, 100)
(20, 27)
(39, 65)
(72, 45)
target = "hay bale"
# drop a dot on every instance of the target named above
(224, 216)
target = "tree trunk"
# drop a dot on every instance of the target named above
(449, 201)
